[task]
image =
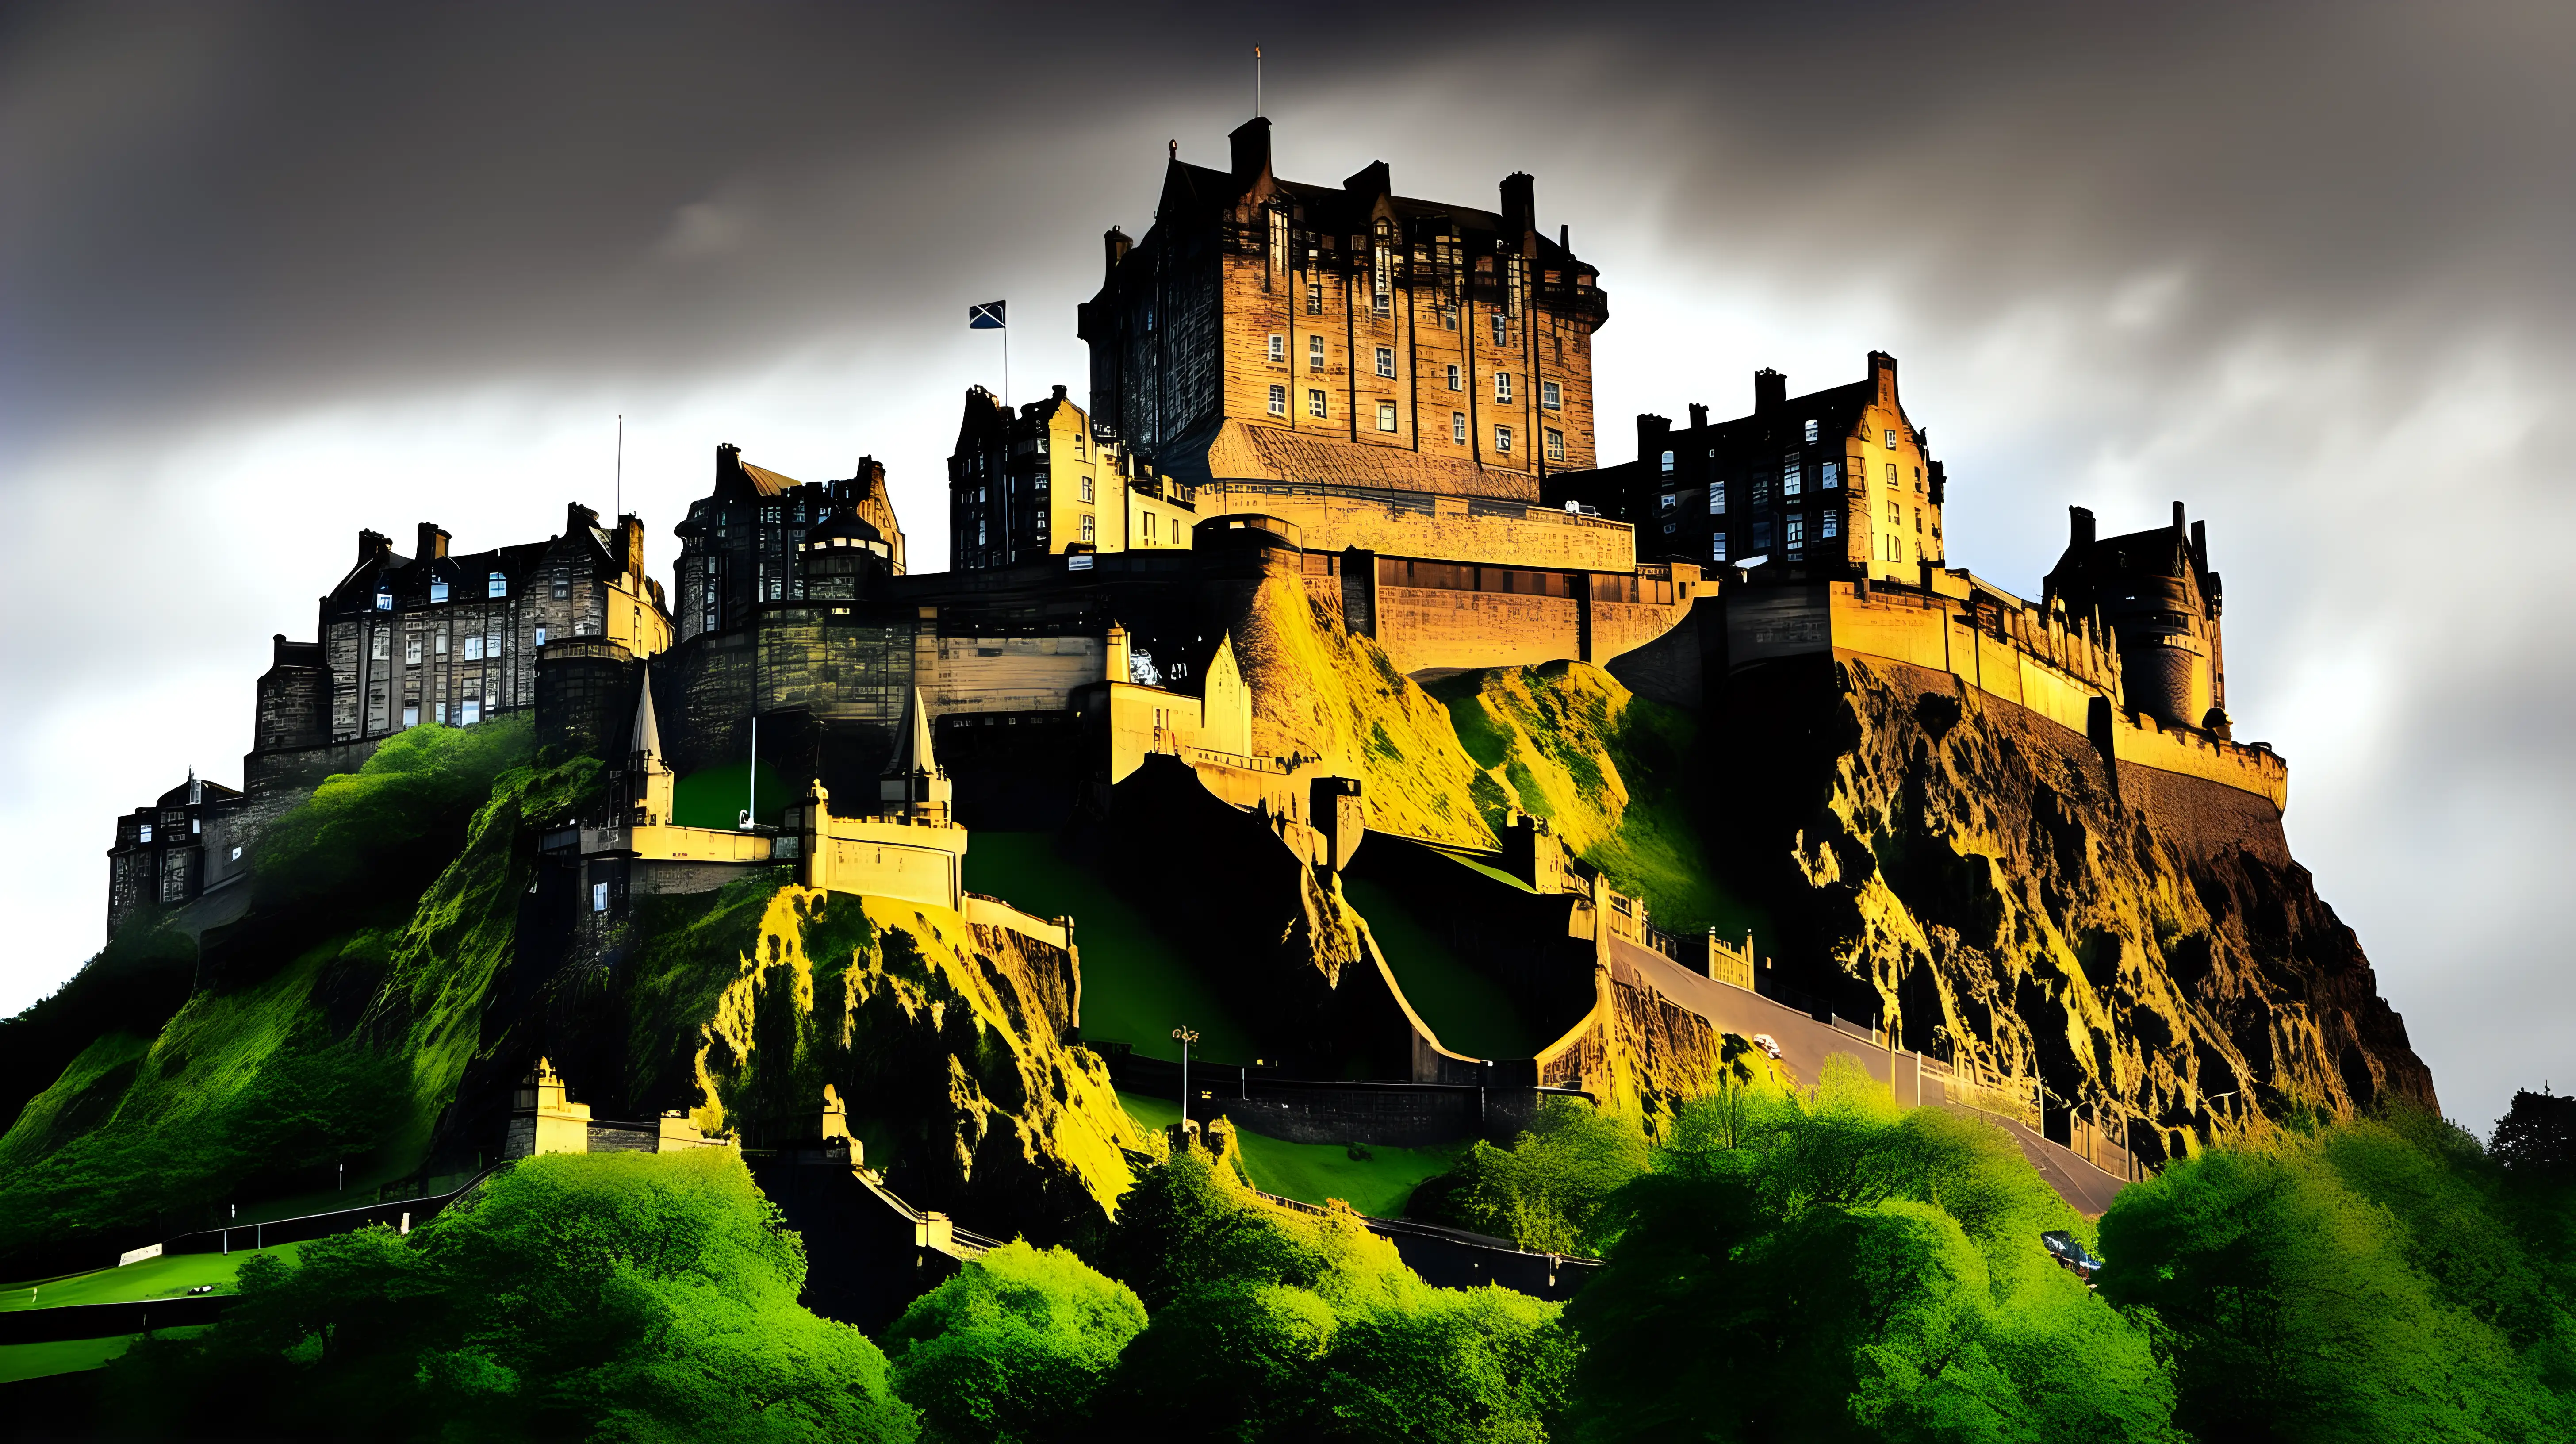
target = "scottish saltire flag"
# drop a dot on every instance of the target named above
(986, 317)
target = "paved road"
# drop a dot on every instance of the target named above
(1806, 1043)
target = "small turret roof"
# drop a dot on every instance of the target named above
(913, 753)
(648, 732)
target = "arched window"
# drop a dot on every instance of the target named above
(1668, 461)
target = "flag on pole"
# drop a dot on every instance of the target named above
(986, 317)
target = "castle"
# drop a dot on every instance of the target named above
(1380, 404)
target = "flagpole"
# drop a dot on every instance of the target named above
(621, 464)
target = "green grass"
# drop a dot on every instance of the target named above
(1469, 1012)
(71, 1356)
(1136, 984)
(168, 1277)
(1313, 1172)
(714, 796)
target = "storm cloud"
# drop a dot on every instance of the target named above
(270, 274)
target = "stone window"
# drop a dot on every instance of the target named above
(385, 598)
(563, 585)
(474, 647)
(1386, 362)
(1314, 353)
(1458, 427)
(541, 636)
(1503, 387)
(497, 586)
(1551, 396)
(469, 712)
(1717, 547)
(1278, 400)
(1386, 416)
(146, 835)
(1314, 300)
(1793, 537)
(1830, 475)
(1793, 477)
(1811, 429)
(411, 650)
(1891, 474)
(1278, 348)
(599, 897)
(1090, 527)
(381, 644)
(1555, 444)
(411, 716)
(437, 590)
(1717, 498)
(1668, 463)
(1829, 525)
(1891, 439)
(1456, 382)
(1502, 441)
(1315, 404)
(1086, 489)
(1895, 515)
(1666, 502)
(1448, 318)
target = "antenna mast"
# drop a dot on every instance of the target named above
(621, 464)
(1256, 82)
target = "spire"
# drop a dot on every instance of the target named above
(916, 755)
(648, 735)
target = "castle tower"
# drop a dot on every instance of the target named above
(648, 778)
(914, 788)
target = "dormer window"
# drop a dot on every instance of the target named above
(437, 589)
(385, 598)
(497, 586)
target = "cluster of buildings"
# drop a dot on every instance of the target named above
(1387, 400)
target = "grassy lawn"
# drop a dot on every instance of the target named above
(1136, 985)
(69, 1356)
(1469, 1011)
(167, 1277)
(714, 796)
(1313, 1172)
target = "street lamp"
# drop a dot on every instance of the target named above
(1185, 1037)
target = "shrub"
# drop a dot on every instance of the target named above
(1012, 1348)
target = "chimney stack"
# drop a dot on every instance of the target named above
(2178, 526)
(1251, 151)
(432, 543)
(1654, 435)
(1520, 205)
(373, 544)
(2079, 526)
(1770, 390)
(1699, 416)
(2200, 544)
(1113, 248)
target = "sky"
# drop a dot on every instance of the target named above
(270, 274)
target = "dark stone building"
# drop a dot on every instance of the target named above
(1834, 485)
(738, 545)
(2156, 591)
(1047, 479)
(1259, 312)
(161, 852)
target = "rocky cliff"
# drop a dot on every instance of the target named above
(2142, 942)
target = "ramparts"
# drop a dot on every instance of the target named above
(2062, 669)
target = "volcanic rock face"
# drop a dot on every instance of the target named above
(2140, 941)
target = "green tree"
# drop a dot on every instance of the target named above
(2328, 1285)
(1837, 1267)
(1545, 1193)
(1012, 1348)
(620, 1296)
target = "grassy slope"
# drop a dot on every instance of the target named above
(1314, 1172)
(1468, 1011)
(71, 1356)
(1136, 986)
(1617, 776)
(168, 1277)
